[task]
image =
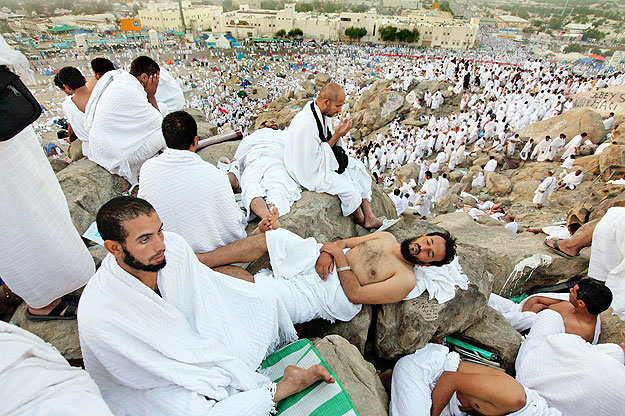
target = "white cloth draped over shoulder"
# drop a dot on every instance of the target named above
(193, 199)
(313, 165)
(572, 375)
(522, 321)
(193, 351)
(263, 173)
(124, 128)
(439, 281)
(544, 190)
(15, 61)
(76, 119)
(42, 257)
(38, 381)
(168, 93)
(607, 256)
(572, 179)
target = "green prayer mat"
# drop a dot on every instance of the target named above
(320, 399)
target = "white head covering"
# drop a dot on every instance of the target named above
(16, 61)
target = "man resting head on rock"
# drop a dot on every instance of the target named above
(333, 280)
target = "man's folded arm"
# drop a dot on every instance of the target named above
(392, 290)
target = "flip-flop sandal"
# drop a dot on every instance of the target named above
(223, 164)
(556, 249)
(234, 168)
(67, 306)
(386, 224)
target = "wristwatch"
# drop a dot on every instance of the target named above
(343, 269)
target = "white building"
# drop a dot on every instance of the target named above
(166, 16)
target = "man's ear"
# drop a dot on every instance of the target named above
(114, 247)
(195, 140)
(143, 78)
(581, 303)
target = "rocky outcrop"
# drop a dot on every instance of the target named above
(571, 123)
(87, 186)
(212, 153)
(496, 334)
(358, 377)
(405, 173)
(497, 184)
(376, 108)
(282, 111)
(57, 164)
(502, 253)
(355, 331)
(603, 101)
(612, 328)
(612, 162)
(322, 79)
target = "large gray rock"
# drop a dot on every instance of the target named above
(214, 152)
(358, 377)
(612, 328)
(405, 173)
(87, 186)
(377, 107)
(57, 164)
(571, 123)
(355, 331)
(322, 79)
(495, 333)
(501, 251)
(62, 334)
(497, 184)
(612, 162)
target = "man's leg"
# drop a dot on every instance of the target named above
(370, 221)
(243, 251)
(573, 245)
(259, 207)
(235, 271)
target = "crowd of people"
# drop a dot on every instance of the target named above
(173, 323)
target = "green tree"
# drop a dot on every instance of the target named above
(359, 8)
(555, 22)
(228, 6)
(355, 33)
(573, 47)
(445, 7)
(303, 7)
(528, 30)
(280, 34)
(593, 34)
(388, 33)
(294, 33)
(269, 5)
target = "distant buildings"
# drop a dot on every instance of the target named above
(511, 22)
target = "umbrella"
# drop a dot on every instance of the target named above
(598, 57)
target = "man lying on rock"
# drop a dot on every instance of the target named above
(333, 280)
(433, 381)
(580, 308)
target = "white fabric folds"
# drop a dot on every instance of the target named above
(439, 281)
(76, 119)
(42, 257)
(38, 381)
(192, 352)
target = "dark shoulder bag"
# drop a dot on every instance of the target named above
(18, 107)
(339, 152)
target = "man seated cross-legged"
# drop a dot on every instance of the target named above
(333, 280)
(161, 334)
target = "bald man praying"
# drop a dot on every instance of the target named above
(315, 157)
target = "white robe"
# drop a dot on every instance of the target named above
(490, 166)
(193, 199)
(572, 180)
(544, 190)
(572, 375)
(76, 119)
(42, 257)
(572, 146)
(479, 181)
(263, 173)
(429, 191)
(124, 128)
(312, 164)
(607, 256)
(168, 93)
(38, 381)
(193, 351)
(541, 151)
(441, 188)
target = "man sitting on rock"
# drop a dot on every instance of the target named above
(161, 334)
(315, 157)
(73, 83)
(433, 381)
(333, 280)
(572, 180)
(580, 308)
(193, 198)
(265, 182)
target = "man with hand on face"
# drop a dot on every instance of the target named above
(333, 280)
(315, 157)
(123, 119)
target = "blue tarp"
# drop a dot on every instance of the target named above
(240, 55)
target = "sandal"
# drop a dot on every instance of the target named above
(67, 307)
(556, 249)
(223, 164)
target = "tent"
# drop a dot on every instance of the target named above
(63, 28)
(597, 57)
(223, 42)
(240, 55)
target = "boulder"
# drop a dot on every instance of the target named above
(402, 328)
(62, 334)
(497, 184)
(619, 134)
(490, 221)
(502, 253)
(405, 173)
(198, 115)
(524, 190)
(494, 333)
(354, 331)
(612, 328)
(612, 162)
(588, 164)
(212, 153)
(206, 130)
(603, 101)
(456, 176)
(57, 164)
(358, 377)
(87, 186)
(571, 123)
(75, 150)
(377, 107)
(448, 203)
(322, 79)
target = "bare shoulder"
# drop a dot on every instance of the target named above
(386, 236)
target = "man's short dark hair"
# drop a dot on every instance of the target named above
(574, 227)
(396, 191)
(428, 174)
(596, 296)
(112, 216)
(101, 66)
(179, 129)
(70, 76)
(144, 65)
(450, 248)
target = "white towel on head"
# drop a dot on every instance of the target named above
(16, 61)
(168, 93)
(439, 281)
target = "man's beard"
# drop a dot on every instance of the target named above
(406, 254)
(132, 261)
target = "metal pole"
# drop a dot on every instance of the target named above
(564, 8)
(184, 26)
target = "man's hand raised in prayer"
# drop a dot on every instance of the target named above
(341, 130)
(150, 86)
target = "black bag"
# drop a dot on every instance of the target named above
(339, 152)
(18, 107)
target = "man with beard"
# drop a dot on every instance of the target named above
(162, 334)
(333, 280)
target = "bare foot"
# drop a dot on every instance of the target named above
(564, 246)
(264, 225)
(372, 223)
(296, 379)
(273, 217)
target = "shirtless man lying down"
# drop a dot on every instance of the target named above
(333, 280)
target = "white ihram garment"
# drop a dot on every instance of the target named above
(544, 190)
(124, 128)
(193, 351)
(312, 164)
(168, 93)
(42, 257)
(38, 381)
(572, 375)
(263, 173)
(429, 191)
(193, 199)
(76, 119)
